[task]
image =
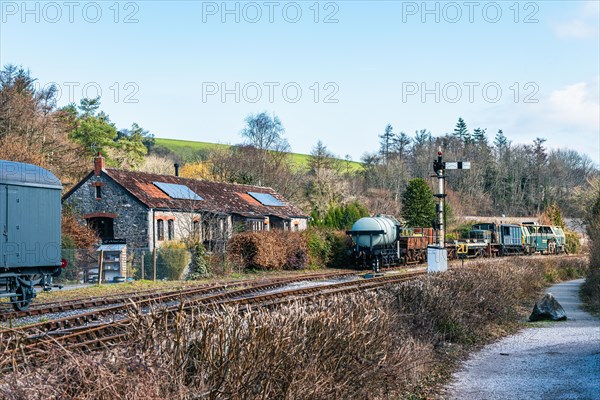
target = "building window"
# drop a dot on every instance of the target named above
(206, 231)
(255, 225)
(160, 227)
(171, 229)
(103, 226)
(98, 192)
(196, 230)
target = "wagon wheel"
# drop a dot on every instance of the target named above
(24, 291)
(22, 299)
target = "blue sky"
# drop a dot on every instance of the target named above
(335, 71)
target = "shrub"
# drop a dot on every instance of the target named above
(590, 291)
(319, 249)
(340, 245)
(200, 262)
(268, 250)
(573, 244)
(171, 260)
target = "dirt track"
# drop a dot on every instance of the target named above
(550, 360)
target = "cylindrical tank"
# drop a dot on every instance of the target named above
(369, 224)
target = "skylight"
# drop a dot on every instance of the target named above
(175, 191)
(266, 199)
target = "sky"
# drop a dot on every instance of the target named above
(335, 71)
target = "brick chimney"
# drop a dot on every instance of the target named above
(98, 164)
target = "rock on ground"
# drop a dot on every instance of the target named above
(548, 308)
(551, 360)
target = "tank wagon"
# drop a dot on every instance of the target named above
(30, 219)
(381, 241)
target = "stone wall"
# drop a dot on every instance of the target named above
(131, 219)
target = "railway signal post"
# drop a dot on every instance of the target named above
(437, 255)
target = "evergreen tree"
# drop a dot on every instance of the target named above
(387, 139)
(461, 132)
(479, 136)
(501, 141)
(418, 207)
(320, 158)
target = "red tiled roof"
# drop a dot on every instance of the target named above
(218, 197)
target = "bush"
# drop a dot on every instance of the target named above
(200, 262)
(339, 217)
(171, 260)
(573, 244)
(340, 245)
(590, 291)
(319, 249)
(268, 250)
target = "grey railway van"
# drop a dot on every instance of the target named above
(30, 224)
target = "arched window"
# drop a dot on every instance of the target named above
(170, 229)
(160, 229)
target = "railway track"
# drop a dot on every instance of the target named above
(106, 334)
(8, 314)
(200, 294)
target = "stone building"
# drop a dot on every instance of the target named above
(146, 210)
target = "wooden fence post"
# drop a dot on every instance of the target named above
(100, 264)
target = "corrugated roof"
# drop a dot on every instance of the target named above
(218, 197)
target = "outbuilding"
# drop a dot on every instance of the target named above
(147, 210)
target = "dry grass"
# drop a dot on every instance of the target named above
(372, 345)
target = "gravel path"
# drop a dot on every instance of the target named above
(550, 360)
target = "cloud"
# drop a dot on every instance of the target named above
(577, 104)
(582, 24)
(575, 29)
(569, 117)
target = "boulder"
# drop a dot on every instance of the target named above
(548, 309)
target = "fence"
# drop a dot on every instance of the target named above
(117, 263)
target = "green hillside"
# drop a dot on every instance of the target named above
(189, 151)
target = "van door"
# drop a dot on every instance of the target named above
(12, 243)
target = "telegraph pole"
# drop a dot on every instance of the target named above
(437, 255)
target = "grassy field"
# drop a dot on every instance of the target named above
(189, 150)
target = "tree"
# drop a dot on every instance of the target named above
(33, 130)
(461, 132)
(501, 142)
(479, 136)
(94, 131)
(130, 147)
(401, 144)
(553, 215)
(593, 231)
(387, 139)
(320, 158)
(265, 132)
(88, 107)
(418, 207)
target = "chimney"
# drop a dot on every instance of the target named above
(98, 164)
(176, 169)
